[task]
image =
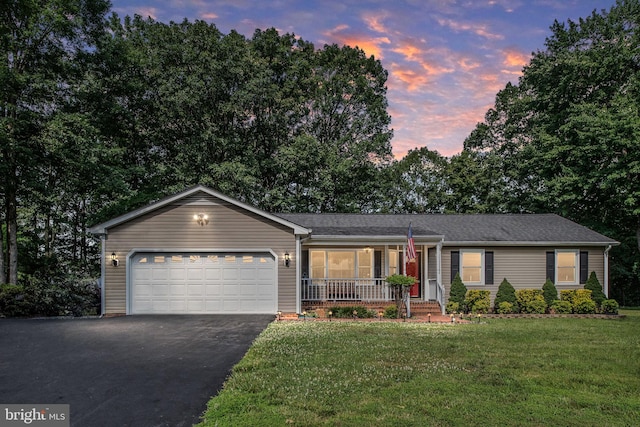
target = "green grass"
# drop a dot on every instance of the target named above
(507, 372)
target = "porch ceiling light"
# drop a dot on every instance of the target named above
(201, 219)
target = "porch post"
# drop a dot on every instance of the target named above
(439, 284)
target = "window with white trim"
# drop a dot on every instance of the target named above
(341, 264)
(567, 267)
(471, 266)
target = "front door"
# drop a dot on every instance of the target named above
(414, 269)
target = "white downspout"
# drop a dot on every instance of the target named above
(103, 273)
(298, 274)
(606, 271)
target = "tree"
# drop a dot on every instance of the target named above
(400, 285)
(567, 134)
(593, 284)
(458, 291)
(416, 183)
(549, 292)
(39, 43)
(506, 293)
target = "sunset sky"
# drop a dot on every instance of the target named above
(446, 59)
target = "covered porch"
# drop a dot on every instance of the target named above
(348, 273)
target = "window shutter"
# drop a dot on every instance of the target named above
(584, 267)
(455, 264)
(377, 264)
(551, 266)
(488, 268)
(304, 264)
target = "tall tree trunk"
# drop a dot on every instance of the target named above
(12, 227)
(3, 276)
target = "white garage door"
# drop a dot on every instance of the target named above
(203, 283)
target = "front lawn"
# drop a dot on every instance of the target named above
(507, 372)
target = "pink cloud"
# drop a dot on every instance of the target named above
(481, 30)
(342, 35)
(513, 58)
(208, 16)
(374, 22)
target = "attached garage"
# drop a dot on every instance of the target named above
(199, 252)
(203, 283)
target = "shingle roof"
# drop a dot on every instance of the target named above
(521, 228)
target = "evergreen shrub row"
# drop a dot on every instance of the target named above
(508, 300)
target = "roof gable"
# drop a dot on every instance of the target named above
(105, 226)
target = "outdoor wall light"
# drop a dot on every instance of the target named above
(114, 259)
(287, 259)
(202, 219)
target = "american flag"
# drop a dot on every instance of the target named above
(411, 247)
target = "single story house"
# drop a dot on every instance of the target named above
(200, 251)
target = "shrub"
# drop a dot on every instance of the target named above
(57, 295)
(531, 301)
(477, 301)
(452, 307)
(506, 293)
(505, 307)
(458, 291)
(579, 299)
(391, 312)
(549, 292)
(609, 306)
(561, 307)
(12, 301)
(346, 312)
(585, 306)
(593, 284)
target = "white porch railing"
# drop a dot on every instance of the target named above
(345, 290)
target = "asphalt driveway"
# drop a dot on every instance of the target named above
(124, 371)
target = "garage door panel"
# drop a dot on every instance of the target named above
(203, 283)
(212, 273)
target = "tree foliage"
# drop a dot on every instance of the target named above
(104, 115)
(566, 136)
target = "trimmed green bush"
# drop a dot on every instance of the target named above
(458, 291)
(579, 299)
(609, 306)
(549, 292)
(561, 307)
(585, 306)
(477, 301)
(452, 307)
(346, 312)
(391, 312)
(505, 307)
(531, 301)
(506, 293)
(593, 284)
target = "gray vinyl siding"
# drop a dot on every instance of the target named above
(173, 227)
(432, 264)
(523, 267)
